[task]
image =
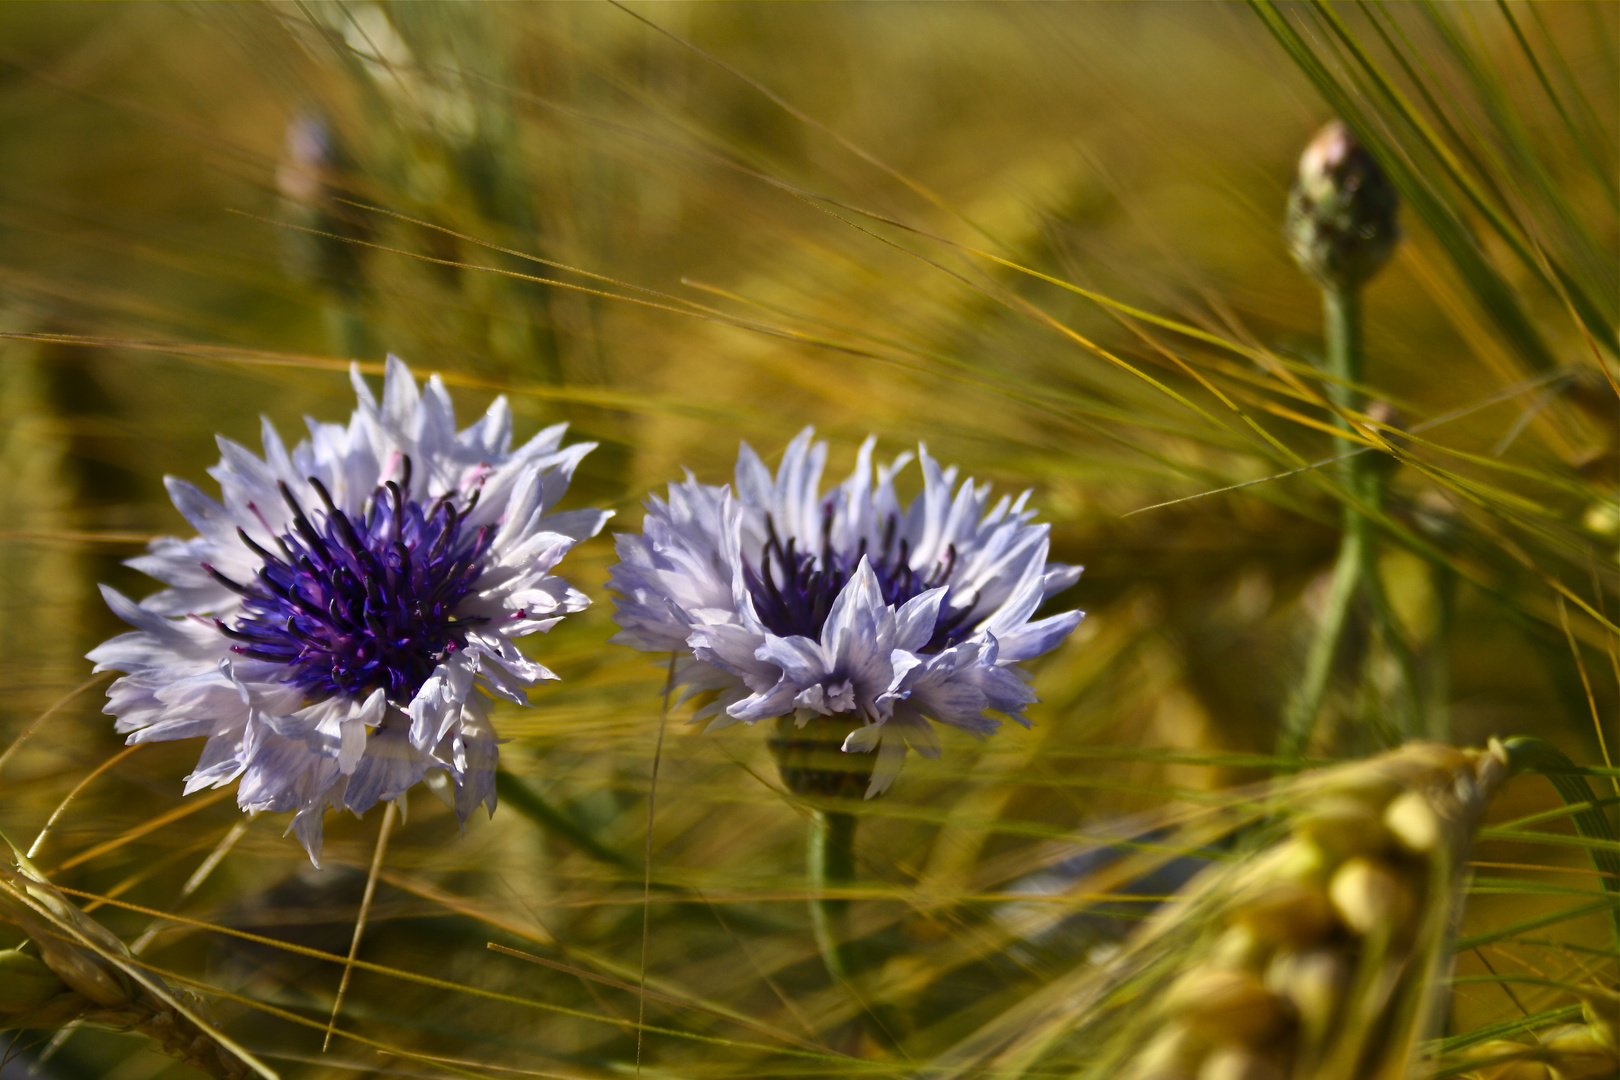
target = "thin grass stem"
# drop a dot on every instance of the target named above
(195, 881)
(390, 812)
(646, 862)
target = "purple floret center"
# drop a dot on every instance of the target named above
(794, 590)
(355, 603)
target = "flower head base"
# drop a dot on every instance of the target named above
(844, 610)
(330, 628)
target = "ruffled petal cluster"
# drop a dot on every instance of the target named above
(337, 627)
(789, 601)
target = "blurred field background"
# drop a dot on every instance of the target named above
(1045, 238)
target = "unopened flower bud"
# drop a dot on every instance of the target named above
(1341, 212)
(311, 176)
(304, 173)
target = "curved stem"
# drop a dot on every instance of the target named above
(830, 863)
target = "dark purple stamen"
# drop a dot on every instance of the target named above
(353, 604)
(793, 590)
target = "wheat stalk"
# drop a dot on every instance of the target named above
(84, 974)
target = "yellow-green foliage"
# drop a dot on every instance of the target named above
(1046, 239)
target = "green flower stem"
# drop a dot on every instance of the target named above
(830, 863)
(1341, 308)
(520, 797)
(1355, 574)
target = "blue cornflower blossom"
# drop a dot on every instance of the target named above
(785, 601)
(330, 628)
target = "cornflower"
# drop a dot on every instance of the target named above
(338, 626)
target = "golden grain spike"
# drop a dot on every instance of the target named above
(1323, 951)
(84, 973)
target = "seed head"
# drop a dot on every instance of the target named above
(1321, 935)
(1413, 820)
(1342, 826)
(1314, 983)
(1288, 911)
(84, 974)
(1578, 1053)
(1370, 896)
(1175, 1054)
(31, 994)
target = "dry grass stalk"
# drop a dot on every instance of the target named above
(84, 974)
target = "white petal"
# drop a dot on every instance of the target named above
(914, 622)
(391, 765)
(401, 402)
(1059, 577)
(492, 435)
